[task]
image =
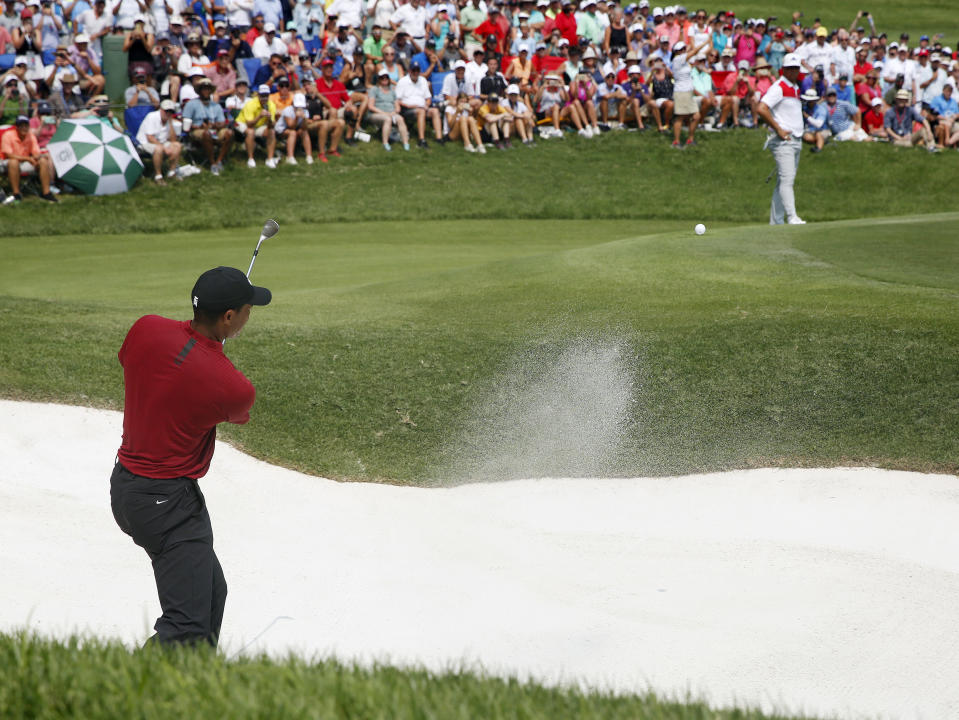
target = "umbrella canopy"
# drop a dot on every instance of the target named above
(94, 158)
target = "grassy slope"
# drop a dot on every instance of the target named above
(620, 175)
(746, 346)
(47, 680)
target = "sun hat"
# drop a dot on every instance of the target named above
(902, 95)
(809, 95)
(822, 32)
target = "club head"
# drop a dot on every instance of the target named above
(270, 228)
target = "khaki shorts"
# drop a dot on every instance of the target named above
(257, 132)
(684, 104)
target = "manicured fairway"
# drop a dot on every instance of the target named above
(421, 353)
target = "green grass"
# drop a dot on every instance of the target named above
(44, 679)
(387, 343)
(618, 176)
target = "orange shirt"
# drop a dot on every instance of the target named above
(280, 103)
(11, 144)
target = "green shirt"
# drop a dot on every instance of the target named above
(470, 18)
(372, 48)
(588, 26)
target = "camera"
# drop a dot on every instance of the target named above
(235, 32)
(101, 110)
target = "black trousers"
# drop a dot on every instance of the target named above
(169, 519)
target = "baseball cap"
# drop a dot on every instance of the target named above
(493, 97)
(219, 24)
(875, 101)
(194, 72)
(23, 120)
(223, 288)
(81, 38)
(791, 61)
(831, 91)
(679, 46)
(664, 38)
(634, 70)
(326, 61)
(821, 32)
(20, 60)
(657, 11)
(459, 64)
(512, 89)
(935, 57)
(263, 89)
(386, 73)
(176, 20)
(902, 95)
(222, 53)
(168, 105)
(269, 28)
(729, 52)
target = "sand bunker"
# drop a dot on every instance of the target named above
(825, 591)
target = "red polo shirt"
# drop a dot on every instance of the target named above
(178, 386)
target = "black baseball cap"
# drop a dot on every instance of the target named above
(224, 288)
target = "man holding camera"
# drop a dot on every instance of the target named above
(141, 93)
(13, 103)
(85, 60)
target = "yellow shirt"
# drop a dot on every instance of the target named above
(485, 110)
(248, 115)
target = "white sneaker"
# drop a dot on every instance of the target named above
(481, 149)
(271, 163)
(251, 163)
(309, 159)
(583, 132)
(291, 160)
(796, 220)
(469, 148)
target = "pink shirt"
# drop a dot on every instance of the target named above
(746, 46)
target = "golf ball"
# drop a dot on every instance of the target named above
(700, 229)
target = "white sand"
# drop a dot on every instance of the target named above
(826, 591)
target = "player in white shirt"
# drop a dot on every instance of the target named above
(781, 109)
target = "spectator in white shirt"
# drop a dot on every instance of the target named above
(158, 135)
(269, 44)
(95, 22)
(347, 11)
(416, 98)
(411, 18)
(239, 14)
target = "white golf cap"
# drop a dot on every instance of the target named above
(643, 4)
(935, 57)
(634, 70)
(635, 27)
(893, 45)
(657, 11)
(792, 61)
(176, 20)
(269, 27)
(81, 38)
(456, 66)
(386, 73)
(512, 89)
(264, 89)
(743, 65)
(299, 100)
(810, 95)
(590, 53)
(875, 101)
(679, 46)
(542, 3)
(563, 42)
(669, 10)
(21, 60)
(168, 105)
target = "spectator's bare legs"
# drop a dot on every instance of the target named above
(44, 169)
(493, 130)
(175, 87)
(250, 142)
(363, 103)
(420, 123)
(172, 151)
(270, 143)
(621, 111)
(434, 115)
(404, 131)
(657, 116)
(209, 148)
(520, 125)
(667, 111)
(604, 110)
(387, 126)
(304, 135)
(368, 69)
(555, 116)
(590, 113)
(225, 136)
(572, 113)
(638, 112)
(336, 125)
(291, 136)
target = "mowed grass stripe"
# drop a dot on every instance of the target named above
(378, 359)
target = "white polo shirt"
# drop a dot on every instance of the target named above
(410, 93)
(782, 98)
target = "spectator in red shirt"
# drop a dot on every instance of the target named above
(735, 88)
(872, 120)
(868, 90)
(862, 66)
(339, 106)
(496, 25)
(566, 23)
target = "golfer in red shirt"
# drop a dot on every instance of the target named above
(178, 386)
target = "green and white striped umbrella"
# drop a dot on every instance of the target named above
(94, 158)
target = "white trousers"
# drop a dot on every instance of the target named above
(786, 155)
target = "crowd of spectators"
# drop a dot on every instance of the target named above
(304, 77)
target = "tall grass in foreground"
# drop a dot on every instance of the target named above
(92, 679)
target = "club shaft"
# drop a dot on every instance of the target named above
(253, 259)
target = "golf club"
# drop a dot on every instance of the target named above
(270, 228)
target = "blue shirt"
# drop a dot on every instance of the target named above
(272, 12)
(200, 113)
(818, 118)
(840, 115)
(846, 94)
(900, 121)
(945, 107)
